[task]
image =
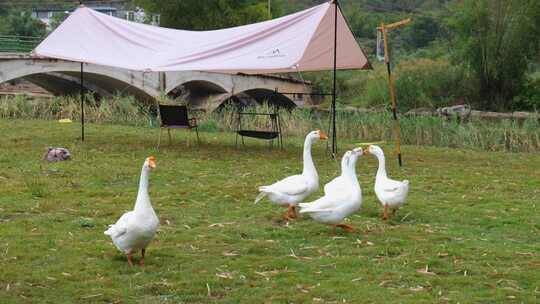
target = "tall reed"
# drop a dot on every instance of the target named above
(114, 110)
(504, 135)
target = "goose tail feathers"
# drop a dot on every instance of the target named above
(260, 196)
(305, 207)
(108, 231)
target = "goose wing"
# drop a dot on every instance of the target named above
(390, 185)
(334, 186)
(292, 185)
(324, 204)
(120, 227)
(338, 187)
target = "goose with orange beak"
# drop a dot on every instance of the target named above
(292, 190)
(135, 229)
(391, 193)
(342, 199)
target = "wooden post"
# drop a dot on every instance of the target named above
(391, 85)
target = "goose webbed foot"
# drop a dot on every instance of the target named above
(345, 227)
(342, 226)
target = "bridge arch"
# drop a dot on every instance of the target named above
(197, 88)
(256, 97)
(208, 89)
(261, 96)
(143, 85)
(68, 83)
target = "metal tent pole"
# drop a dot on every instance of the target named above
(82, 102)
(334, 130)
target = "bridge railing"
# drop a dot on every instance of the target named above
(18, 44)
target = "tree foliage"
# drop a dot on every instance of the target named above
(497, 40)
(22, 24)
(57, 19)
(423, 31)
(206, 15)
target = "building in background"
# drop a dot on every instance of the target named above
(118, 8)
(140, 16)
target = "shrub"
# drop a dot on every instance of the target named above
(419, 83)
(529, 98)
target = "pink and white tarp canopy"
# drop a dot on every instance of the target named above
(303, 41)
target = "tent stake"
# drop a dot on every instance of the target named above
(334, 130)
(82, 102)
(391, 86)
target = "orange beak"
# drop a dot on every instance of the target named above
(366, 150)
(152, 162)
(322, 135)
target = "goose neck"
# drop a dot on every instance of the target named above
(143, 198)
(309, 167)
(350, 170)
(381, 171)
(344, 166)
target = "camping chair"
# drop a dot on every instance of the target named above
(176, 117)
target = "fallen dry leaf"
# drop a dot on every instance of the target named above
(225, 275)
(221, 225)
(92, 296)
(426, 271)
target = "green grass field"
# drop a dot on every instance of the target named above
(470, 232)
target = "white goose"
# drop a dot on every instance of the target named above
(391, 193)
(135, 229)
(294, 189)
(341, 199)
(335, 184)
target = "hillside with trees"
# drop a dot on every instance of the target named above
(483, 52)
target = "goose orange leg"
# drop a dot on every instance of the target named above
(345, 227)
(342, 226)
(291, 213)
(385, 215)
(141, 262)
(130, 259)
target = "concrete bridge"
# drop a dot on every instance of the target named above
(205, 90)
